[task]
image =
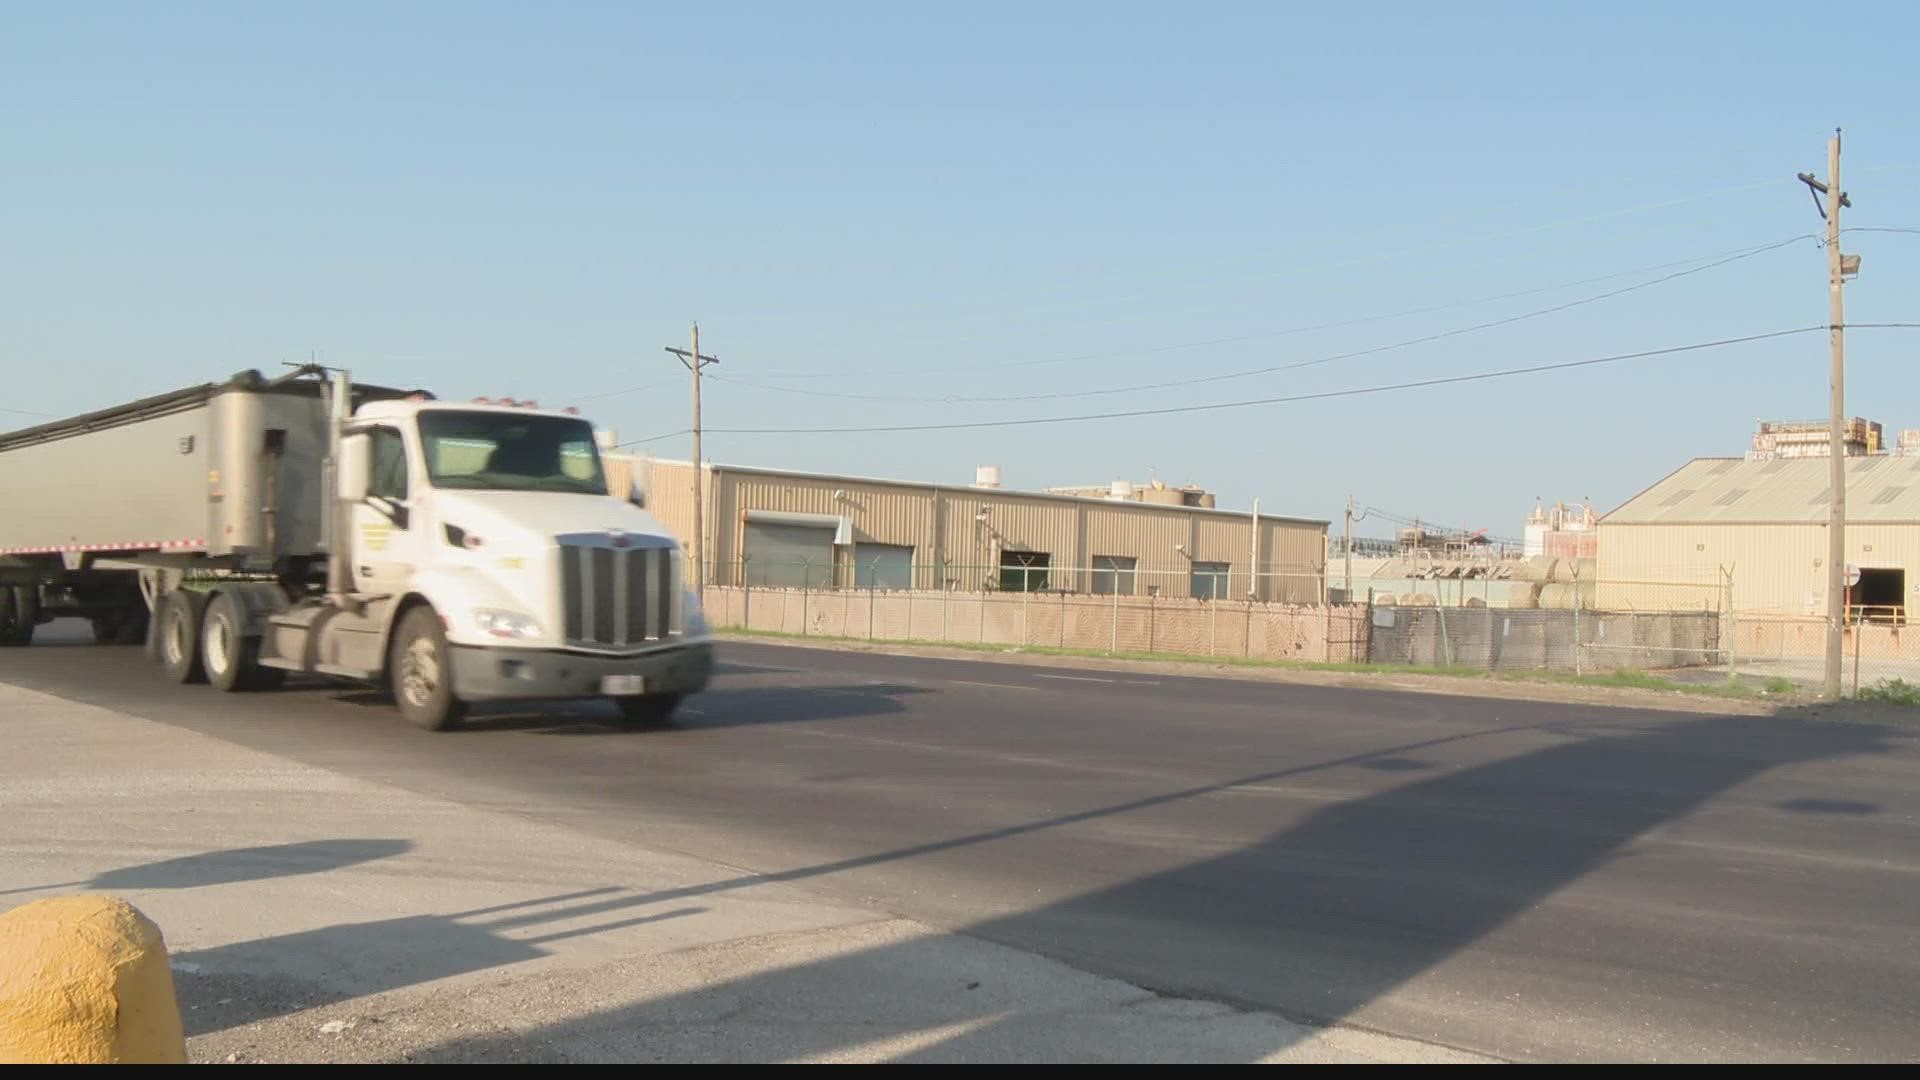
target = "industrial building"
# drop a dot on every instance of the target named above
(777, 528)
(1761, 522)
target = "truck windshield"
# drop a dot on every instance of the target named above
(502, 452)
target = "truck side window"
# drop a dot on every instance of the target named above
(389, 465)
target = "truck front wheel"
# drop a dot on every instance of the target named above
(644, 712)
(420, 670)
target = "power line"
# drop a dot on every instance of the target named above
(23, 412)
(1309, 328)
(1289, 398)
(1462, 238)
(655, 438)
(1880, 228)
(1745, 253)
(1429, 525)
(617, 393)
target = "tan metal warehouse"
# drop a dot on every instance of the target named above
(778, 528)
(1765, 521)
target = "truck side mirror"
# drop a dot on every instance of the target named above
(354, 468)
(637, 495)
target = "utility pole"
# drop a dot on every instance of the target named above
(1838, 267)
(1349, 586)
(696, 553)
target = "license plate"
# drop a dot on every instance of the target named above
(623, 685)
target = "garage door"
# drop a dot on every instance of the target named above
(788, 556)
(883, 566)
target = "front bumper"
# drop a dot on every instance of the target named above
(494, 674)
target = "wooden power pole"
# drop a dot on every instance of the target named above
(1838, 268)
(1349, 585)
(696, 544)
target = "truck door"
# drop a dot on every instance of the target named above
(387, 533)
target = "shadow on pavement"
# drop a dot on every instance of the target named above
(231, 985)
(239, 864)
(719, 707)
(1317, 921)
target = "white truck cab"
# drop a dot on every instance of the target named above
(499, 521)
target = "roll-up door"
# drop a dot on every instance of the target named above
(783, 556)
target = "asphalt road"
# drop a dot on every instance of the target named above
(1534, 881)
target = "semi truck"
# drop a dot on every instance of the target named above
(447, 553)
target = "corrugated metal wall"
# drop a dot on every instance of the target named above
(1012, 524)
(1777, 568)
(1150, 537)
(669, 488)
(1291, 556)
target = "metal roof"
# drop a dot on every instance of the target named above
(1014, 493)
(1881, 488)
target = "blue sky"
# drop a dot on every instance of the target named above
(871, 201)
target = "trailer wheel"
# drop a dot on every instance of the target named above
(230, 656)
(131, 627)
(420, 670)
(19, 613)
(181, 614)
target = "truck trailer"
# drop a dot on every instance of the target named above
(447, 553)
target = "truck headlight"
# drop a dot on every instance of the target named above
(505, 624)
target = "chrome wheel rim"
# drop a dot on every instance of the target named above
(219, 646)
(176, 640)
(419, 672)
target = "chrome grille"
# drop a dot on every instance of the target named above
(618, 597)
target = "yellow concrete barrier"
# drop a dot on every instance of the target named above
(84, 980)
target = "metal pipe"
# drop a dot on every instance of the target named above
(335, 510)
(1253, 555)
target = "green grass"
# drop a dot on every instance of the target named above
(1779, 685)
(1892, 692)
(1632, 680)
(1641, 680)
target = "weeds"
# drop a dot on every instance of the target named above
(1892, 692)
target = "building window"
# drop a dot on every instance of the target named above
(1113, 575)
(883, 566)
(1210, 580)
(1024, 571)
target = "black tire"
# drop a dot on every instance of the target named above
(647, 712)
(6, 616)
(130, 628)
(19, 614)
(420, 671)
(231, 657)
(181, 614)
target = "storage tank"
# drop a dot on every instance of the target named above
(986, 476)
(1120, 489)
